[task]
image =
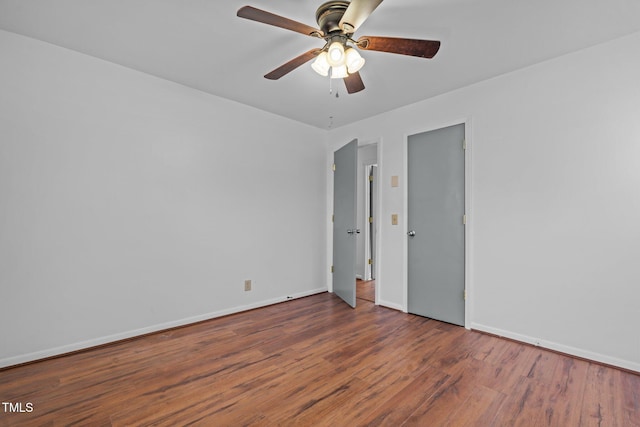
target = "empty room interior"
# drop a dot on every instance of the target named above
(425, 214)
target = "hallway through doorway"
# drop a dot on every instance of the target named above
(366, 290)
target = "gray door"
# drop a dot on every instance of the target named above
(435, 224)
(344, 222)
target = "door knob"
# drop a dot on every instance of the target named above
(354, 231)
(411, 233)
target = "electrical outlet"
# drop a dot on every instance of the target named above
(247, 285)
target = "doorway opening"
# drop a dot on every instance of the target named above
(367, 219)
(355, 218)
(366, 290)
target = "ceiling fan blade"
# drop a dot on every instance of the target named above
(292, 65)
(412, 47)
(354, 83)
(357, 12)
(249, 12)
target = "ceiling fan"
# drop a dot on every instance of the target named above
(339, 58)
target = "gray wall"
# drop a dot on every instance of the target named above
(129, 203)
(554, 179)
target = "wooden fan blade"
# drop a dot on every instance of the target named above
(412, 47)
(292, 65)
(357, 12)
(249, 12)
(354, 83)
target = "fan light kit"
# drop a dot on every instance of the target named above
(338, 61)
(339, 58)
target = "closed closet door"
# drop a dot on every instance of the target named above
(436, 230)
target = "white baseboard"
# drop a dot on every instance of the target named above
(391, 305)
(57, 351)
(573, 351)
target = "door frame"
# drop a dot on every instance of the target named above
(370, 210)
(468, 235)
(377, 214)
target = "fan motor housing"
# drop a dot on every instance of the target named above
(329, 14)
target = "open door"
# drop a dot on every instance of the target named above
(345, 162)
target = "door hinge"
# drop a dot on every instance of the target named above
(332, 268)
(370, 178)
(370, 220)
(464, 144)
(333, 167)
(464, 220)
(370, 261)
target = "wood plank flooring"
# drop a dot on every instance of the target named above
(317, 362)
(366, 290)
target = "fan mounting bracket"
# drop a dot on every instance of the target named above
(328, 17)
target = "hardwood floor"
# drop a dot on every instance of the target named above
(366, 290)
(317, 362)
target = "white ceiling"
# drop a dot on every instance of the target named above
(202, 44)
